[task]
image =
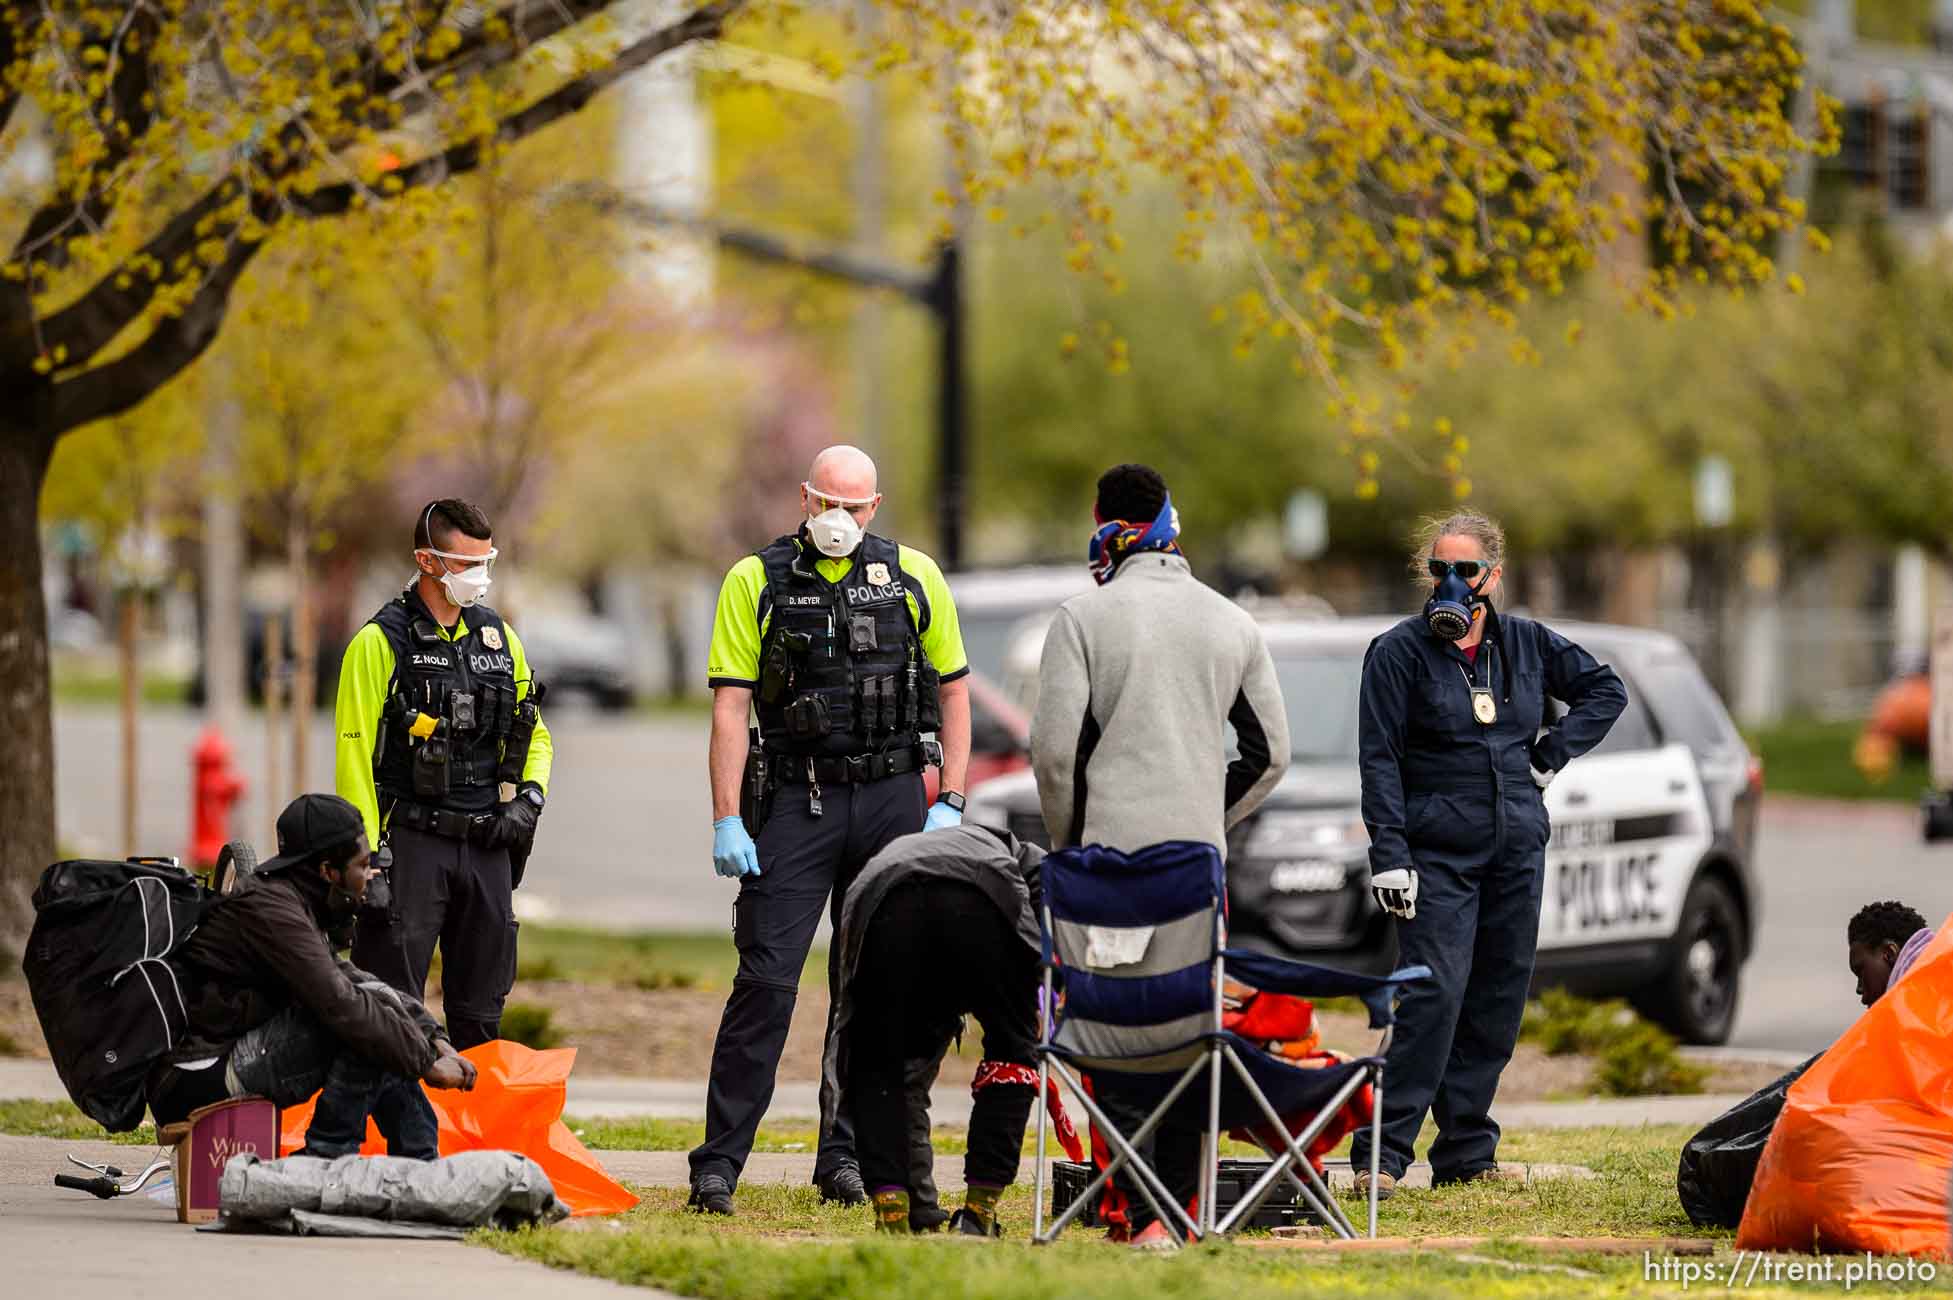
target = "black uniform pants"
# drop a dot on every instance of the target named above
(935, 951)
(806, 862)
(1477, 926)
(457, 895)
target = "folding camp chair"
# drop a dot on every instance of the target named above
(1135, 960)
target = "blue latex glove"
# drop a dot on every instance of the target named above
(733, 852)
(941, 816)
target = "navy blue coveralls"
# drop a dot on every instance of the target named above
(1456, 800)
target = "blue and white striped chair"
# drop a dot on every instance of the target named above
(1135, 956)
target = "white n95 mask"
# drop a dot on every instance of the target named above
(835, 532)
(467, 587)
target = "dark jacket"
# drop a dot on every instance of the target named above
(1005, 868)
(1438, 783)
(265, 949)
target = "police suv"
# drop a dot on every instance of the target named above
(1650, 892)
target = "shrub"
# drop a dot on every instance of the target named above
(1642, 1062)
(1564, 1024)
(652, 981)
(531, 1025)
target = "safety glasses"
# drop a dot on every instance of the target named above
(822, 502)
(467, 561)
(1466, 569)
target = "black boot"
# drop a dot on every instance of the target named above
(927, 1217)
(711, 1194)
(843, 1186)
(968, 1223)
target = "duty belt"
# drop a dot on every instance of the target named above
(440, 821)
(853, 769)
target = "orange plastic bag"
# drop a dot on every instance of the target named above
(1858, 1161)
(516, 1105)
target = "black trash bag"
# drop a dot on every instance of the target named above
(1719, 1163)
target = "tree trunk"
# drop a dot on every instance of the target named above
(274, 694)
(27, 775)
(305, 668)
(129, 629)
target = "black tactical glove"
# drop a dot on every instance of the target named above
(516, 830)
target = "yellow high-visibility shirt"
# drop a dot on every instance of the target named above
(737, 630)
(365, 681)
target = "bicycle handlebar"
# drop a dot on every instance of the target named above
(106, 1188)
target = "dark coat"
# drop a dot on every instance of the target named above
(1006, 869)
(1436, 783)
(261, 951)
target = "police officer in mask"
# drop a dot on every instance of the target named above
(1457, 747)
(846, 648)
(442, 748)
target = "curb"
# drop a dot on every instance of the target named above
(1745, 1056)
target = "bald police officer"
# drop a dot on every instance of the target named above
(846, 647)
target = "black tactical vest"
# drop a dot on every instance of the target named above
(841, 665)
(450, 708)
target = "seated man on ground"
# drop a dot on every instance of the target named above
(1882, 941)
(938, 925)
(274, 1013)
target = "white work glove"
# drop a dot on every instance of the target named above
(1396, 891)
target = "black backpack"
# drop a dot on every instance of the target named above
(98, 966)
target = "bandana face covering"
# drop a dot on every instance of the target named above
(1115, 539)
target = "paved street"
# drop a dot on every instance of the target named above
(625, 843)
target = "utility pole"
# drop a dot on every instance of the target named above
(940, 291)
(865, 110)
(945, 299)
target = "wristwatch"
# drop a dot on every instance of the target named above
(532, 794)
(951, 798)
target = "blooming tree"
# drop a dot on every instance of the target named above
(1389, 173)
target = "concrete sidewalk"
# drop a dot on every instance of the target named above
(670, 1169)
(58, 1242)
(600, 1097)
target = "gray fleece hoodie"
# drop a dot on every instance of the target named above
(1138, 682)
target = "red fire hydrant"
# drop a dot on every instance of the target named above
(216, 788)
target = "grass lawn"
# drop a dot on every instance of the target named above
(1814, 758)
(60, 1119)
(786, 1245)
(86, 686)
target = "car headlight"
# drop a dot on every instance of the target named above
(1286, 833)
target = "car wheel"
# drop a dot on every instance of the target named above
(1695, 999)
(237, 862)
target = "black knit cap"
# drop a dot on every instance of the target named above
(311, 825)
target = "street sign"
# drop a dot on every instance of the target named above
(1715, 492)
(1305, 525)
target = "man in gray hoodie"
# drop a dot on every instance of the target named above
(1140, 681)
